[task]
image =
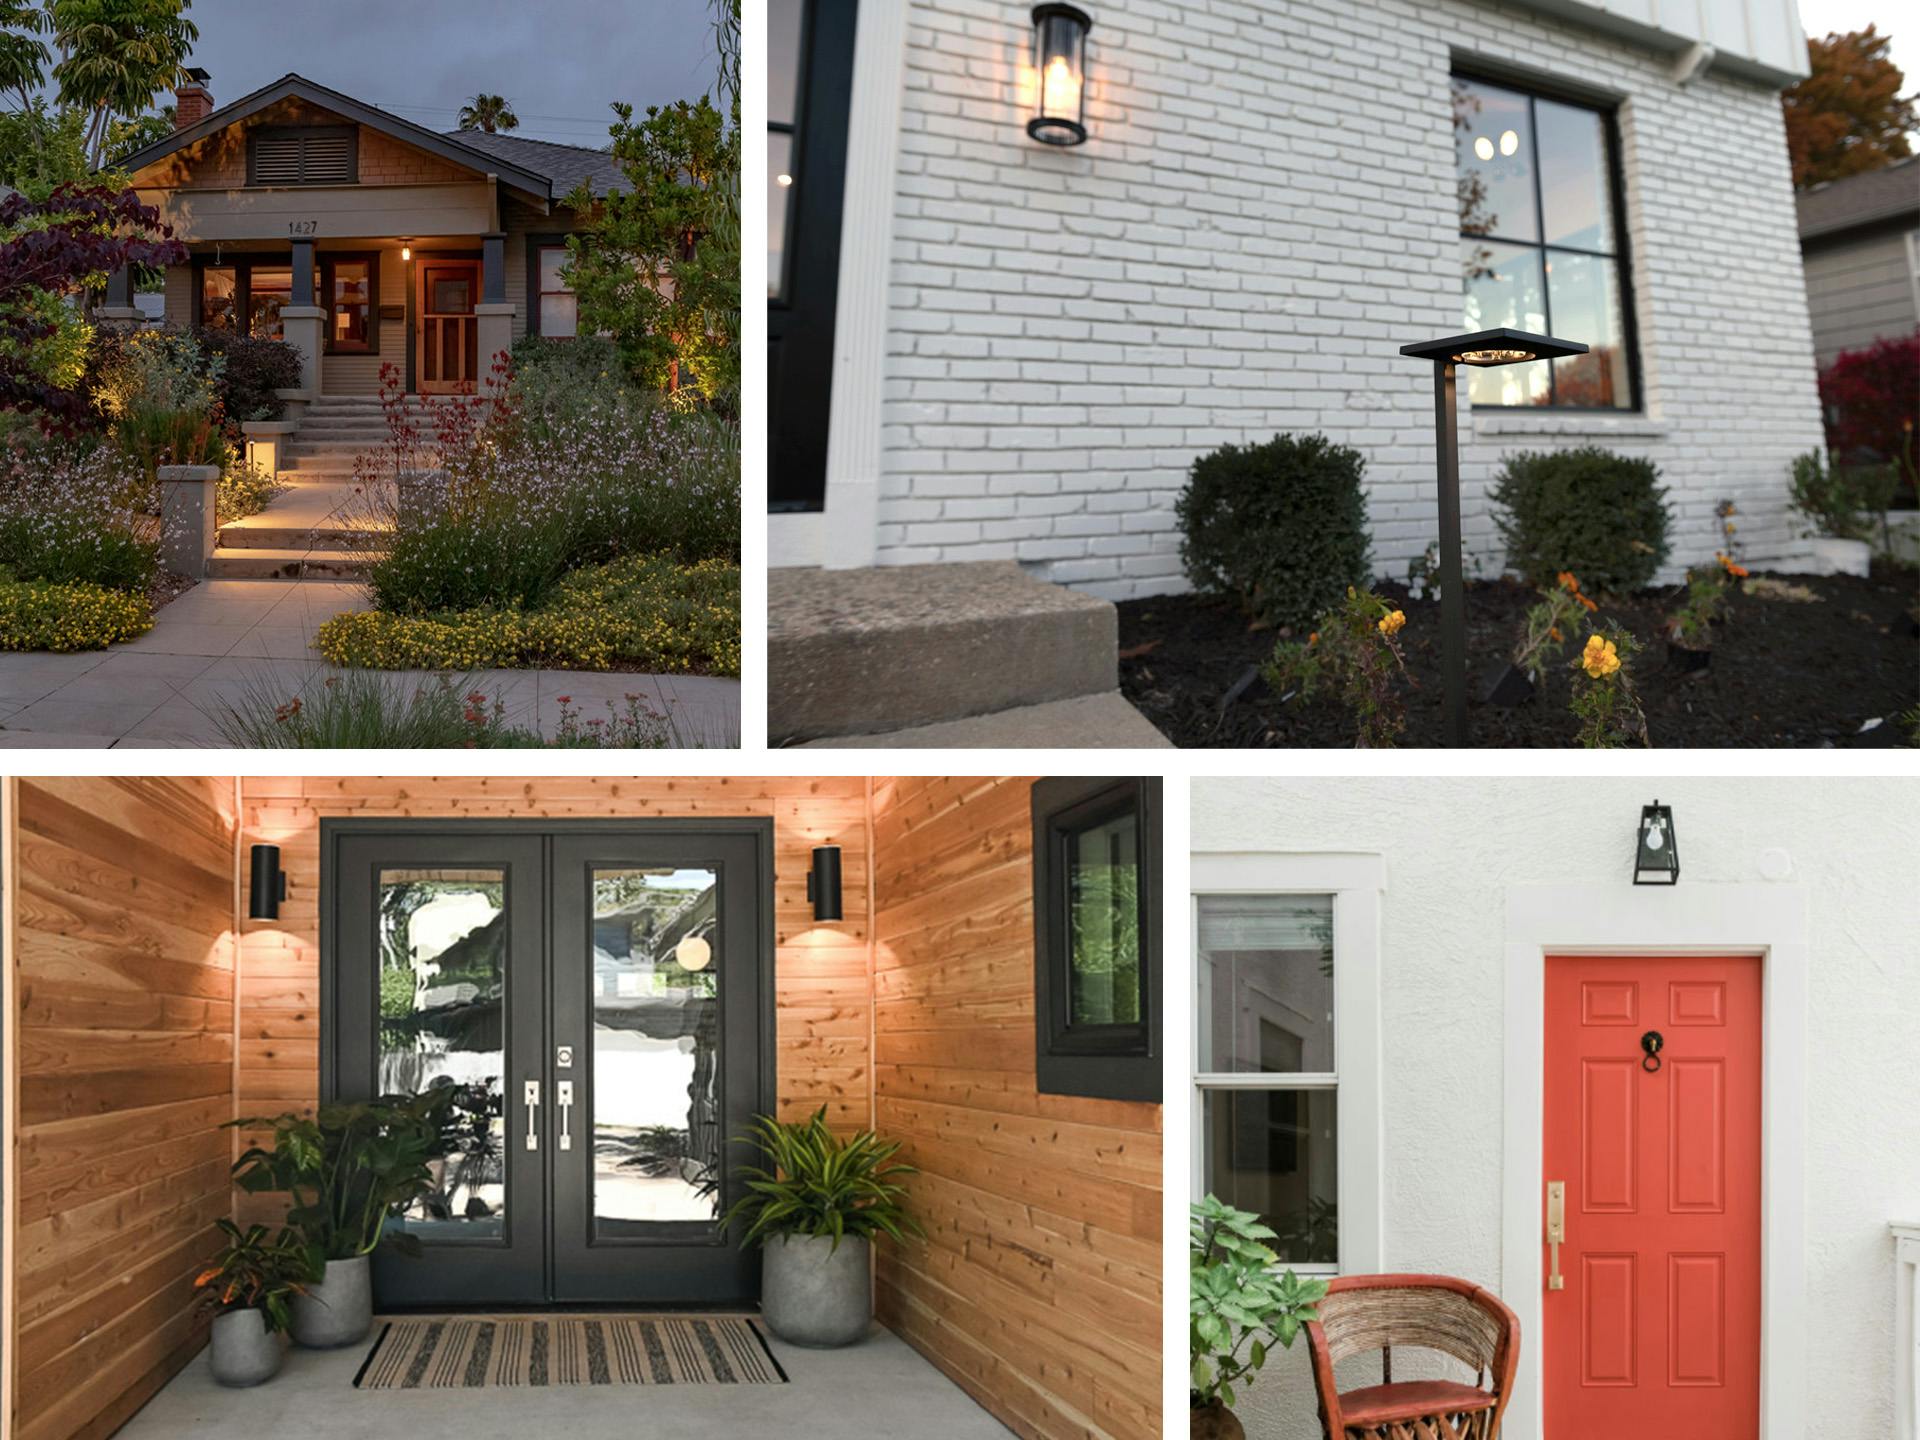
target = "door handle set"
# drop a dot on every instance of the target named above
(563, 1096)
(1556, 1232)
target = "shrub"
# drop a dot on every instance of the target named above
(644, 612)
(77, 513)
(251, 371)
(40, 615)
(159, 390)
(1840, 500)
(1871, 398)
(1354, 655)
(244, 490)
(1600, 515)
(1281, 526)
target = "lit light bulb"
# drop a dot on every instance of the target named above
(783, 180)
(1509, 142)
(693, 953)
(1483, 147)
(406, 252)
(1656, 838)
(1059, 89)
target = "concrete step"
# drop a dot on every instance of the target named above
(287, 564)
(1086, 722)
(300, 537)
(864, 652)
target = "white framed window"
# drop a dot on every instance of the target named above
(559, 309)
(1286, 1046)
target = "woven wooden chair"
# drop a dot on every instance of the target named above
(1363, 1313)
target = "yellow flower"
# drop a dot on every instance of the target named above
(1600, 659)
(1391, 622)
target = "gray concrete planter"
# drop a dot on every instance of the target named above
(1828, 556)
(337, 1311)
(815, 1295)
(245, 1352)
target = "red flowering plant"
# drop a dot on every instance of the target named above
(1871, 400)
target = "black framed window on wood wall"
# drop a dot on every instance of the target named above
(1097, 909)
(1543, 244)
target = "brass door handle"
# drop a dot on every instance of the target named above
(1556, 1232)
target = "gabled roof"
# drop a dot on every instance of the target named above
(1859, 200)
(565, 165)
(298, 87)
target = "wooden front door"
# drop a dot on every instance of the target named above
(447, 335)
(1653, 1129)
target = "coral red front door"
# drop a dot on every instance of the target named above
(1653, 1128)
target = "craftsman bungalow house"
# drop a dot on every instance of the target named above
(360, 238)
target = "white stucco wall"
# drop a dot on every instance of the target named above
(1451, 849)
(1264, 213)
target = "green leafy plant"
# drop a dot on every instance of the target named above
(1604, 698)
(819, 1183)
(348, 1168)
(1354, 656)
(1840, 501)
(1281, 527)
(1709, 592)
(1239, 1301)
(255, 1272)
(68, 616)
(1544, 633)
(1602, 516)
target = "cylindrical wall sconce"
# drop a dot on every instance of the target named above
(269, 885)
(823, 882)
(1060, 62)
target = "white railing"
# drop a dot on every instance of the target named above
(1906, 1331)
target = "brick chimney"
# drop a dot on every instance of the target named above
(192, 101)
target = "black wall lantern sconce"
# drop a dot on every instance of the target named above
(269, 885)
(1656, 859)
(1060, 65)
(1484, 348)
(823, 882)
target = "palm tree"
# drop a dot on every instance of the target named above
(490, 113)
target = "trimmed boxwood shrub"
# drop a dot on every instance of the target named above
(646, 612)
(1282, 526)
(1600, 515)
(41, 615)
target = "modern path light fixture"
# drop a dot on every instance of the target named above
(823, 882)
(1656, 860)
(1060, 62)
(1486, 348)
(269, 885)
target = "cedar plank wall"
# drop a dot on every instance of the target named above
(823, 991)
(1039, 1288)
(124, 951)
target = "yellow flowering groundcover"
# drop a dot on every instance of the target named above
(643, 612)
(49, 615)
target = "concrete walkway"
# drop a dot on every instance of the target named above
(225, 639)
(878, 1388)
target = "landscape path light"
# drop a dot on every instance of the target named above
(1485, 348)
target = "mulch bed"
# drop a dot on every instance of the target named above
(1783, 673)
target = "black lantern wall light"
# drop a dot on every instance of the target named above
(1060, 65)
(1656, 858)
(269, 884)
(823, 882)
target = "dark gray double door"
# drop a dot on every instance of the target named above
(597, 996)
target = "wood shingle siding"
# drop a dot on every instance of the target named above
(1039, 1288)
(124, 989)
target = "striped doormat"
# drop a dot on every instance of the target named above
(467, 1352)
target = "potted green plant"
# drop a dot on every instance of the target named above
(814, 1212)
(1240, 1302)
(250, 1286)
(346, 1170)
(1836, 505)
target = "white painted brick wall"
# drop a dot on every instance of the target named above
(1265, 212)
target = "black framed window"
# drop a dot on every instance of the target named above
(349, 290)
(248, 295)
(1542, 244)
(303, 155)
(1096, 901)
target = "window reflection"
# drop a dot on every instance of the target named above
(1103, 877)
(219, 295)
(786, 35)
(1266, 984)
(656, 1047)
(351, 303)
(270, 290)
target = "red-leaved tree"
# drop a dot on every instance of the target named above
(1871, 399)
(59, 246)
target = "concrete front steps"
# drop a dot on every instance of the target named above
(954, 656)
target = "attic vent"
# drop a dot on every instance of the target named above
(307, 155)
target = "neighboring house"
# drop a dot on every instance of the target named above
(984, 347)
(361, 238)
(1860, 241)
(1447, 988)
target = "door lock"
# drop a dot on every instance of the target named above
(563, 1057)
(564, 1095)
(533, 1114)
(1556, 1232)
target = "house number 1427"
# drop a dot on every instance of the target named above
(303, 227)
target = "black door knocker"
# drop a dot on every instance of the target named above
(1651, 1043)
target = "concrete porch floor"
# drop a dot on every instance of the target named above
(879, 1388)
(226, 638)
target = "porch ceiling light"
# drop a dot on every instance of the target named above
(1060, 62)
(1656, 860)
(1486, 348)
(269, 885)
(823, 882)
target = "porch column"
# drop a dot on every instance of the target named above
(302, 323)
(493, 315)
(119, 307)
